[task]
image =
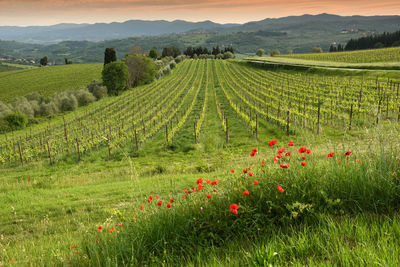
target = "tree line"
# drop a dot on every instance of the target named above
(374, 41)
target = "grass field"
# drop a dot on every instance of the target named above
(203, 120)
(47, 80)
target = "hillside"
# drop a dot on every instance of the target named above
(47, 80)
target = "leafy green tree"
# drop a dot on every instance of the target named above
(275, 53)
(228, 55)
(109, 56)
(115, 76)
(43, 61)
(260, 52)
(317, 50)
(141, 70)
(16, 120)
(153, 53)
(171, 51)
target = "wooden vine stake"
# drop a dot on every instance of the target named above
(195, 132)
(166, 133)
(288, 123)
(136, 140)
(108, 145)
(256, 127)
(351, 115)
(49, 152)
(227, 131)
(20, 153)
(65, 131)
(77, 147)
(319, 114)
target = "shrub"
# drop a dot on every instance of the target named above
(47, 109)
(115, 77)
(4, 109)
(220, 56)
(84, 97)
(172, 65)
(275, 53)
(22, 105)
(260, 52)
(16, 120)
(317, 50)
(142, 70)
(4, 127)
(228, 55)
(166, 70)
(97, 89)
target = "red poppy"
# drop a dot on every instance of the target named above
(172, 200)
(280, 189)
(214, 190)
(273, 142)
(157, 197)
(246, 193)
(252, 154)
(73, 246)
(255, 182)
(159, 203)
(331, 155)
(199, 181)
(234, 206)
(279, 156)
(251, 174)
(200, 187)
(111, 230)
(288, 154)
(359, 162)
(169, 205)
(216, 182)
(254, 150)
(232, 170)
(29, 180)
(208, 196)
(281, 150)
(263, 170)
(150, 199)
(275, 159)
(302, 149)
(284, 166)
(249, 168)
(308, 151)
(303, 157)
(184, 197)
(347, 153)
(303, 164)
(208, 181)
(291, 143)
(234, 211)
(141, 208)
(244, 170)
(100, 227)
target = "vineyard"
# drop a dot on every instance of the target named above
(293, 103)
(47, 80)
(360, 56)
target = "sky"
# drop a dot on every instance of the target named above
(49, 12)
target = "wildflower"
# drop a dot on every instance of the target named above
(279, 156)
(303, 164)
(172, 200)
(291, 143)
(73, 246)
(303, 157)
(273, 142)
(252, 154)
(234, 211)
(251, 174)
(200, 187)
(214, 190)
(281, 150)
(169, 205)
(302, 149)
(157, 197)
(359, 162)
(308, 151)
(280, 189)
(288, 154)
(208, 196)
(99, 229)
(246, 193)
(29, 180)
(208, 181)
(234, 206)
(141, 208)
(111, 230)
(275, 159)
(150, 199)
(216, 182)
(331, 155)
(347, 153)
(254, 150)
(284, 166)
(255, 182)
(232, 170)
(159, 203)
(244, 170)
(199, 181)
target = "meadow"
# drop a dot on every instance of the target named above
(47, 80)
(76, 189)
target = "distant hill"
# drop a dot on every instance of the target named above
(297, 33)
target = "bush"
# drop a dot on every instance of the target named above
(97, 89)
(84, 97)
(65, 101)
(16, 120)
(4, 127)
(220, 56)
(47, 109)
(317, 50)
(228, 55)
(141, 69)
(260, 52)
(275, 53)
(4, 109)
(115, 77)
(22, 105)
(172, 65)
(166, 70)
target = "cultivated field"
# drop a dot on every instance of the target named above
(47, 80)
(184, 171)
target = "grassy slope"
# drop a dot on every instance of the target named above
(48, 80)
(41, 219)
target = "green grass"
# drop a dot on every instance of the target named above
(47, 80)
(63, 205)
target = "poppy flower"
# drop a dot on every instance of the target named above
(208, 196)
(255, 182)
(232, 170)
(302, 149)
(347, 153)
(234, 206)
(100, 227)
(215, 182)
(208, 181)
(246, 193)
(284, 166)
(214, 190)
(111, 230)
(157, 197)
(280, 189)
(308, 151)
(252, 154)
(331, 155)
(275, 159)
(254, 150)
(234, 211)
(172, 200)
(263, 170)
(249, 168)
(200, 187)
(288, 154)
(141, 208)
(150, 199)
(303, 164)
(303, 157)
(199, 181)
(29, 180)
(281, 150)
(169, 205)
(73, 246)
(251, 174)
(291, 143)
(279, 156)
(273, 142)
(359, 162)
(159, 203)
(244, 170)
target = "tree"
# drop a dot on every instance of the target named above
(153, 53)
(171, 51)
(317, 50)
(67, 62)
(275, 53)
(228, 55)
(289, 52)
(135, 50)
(339, 48)
(333, 48)
(16, 120)
(109, 56)
(43, 61)
(115, 77)
(260, 52)
(141, 70)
